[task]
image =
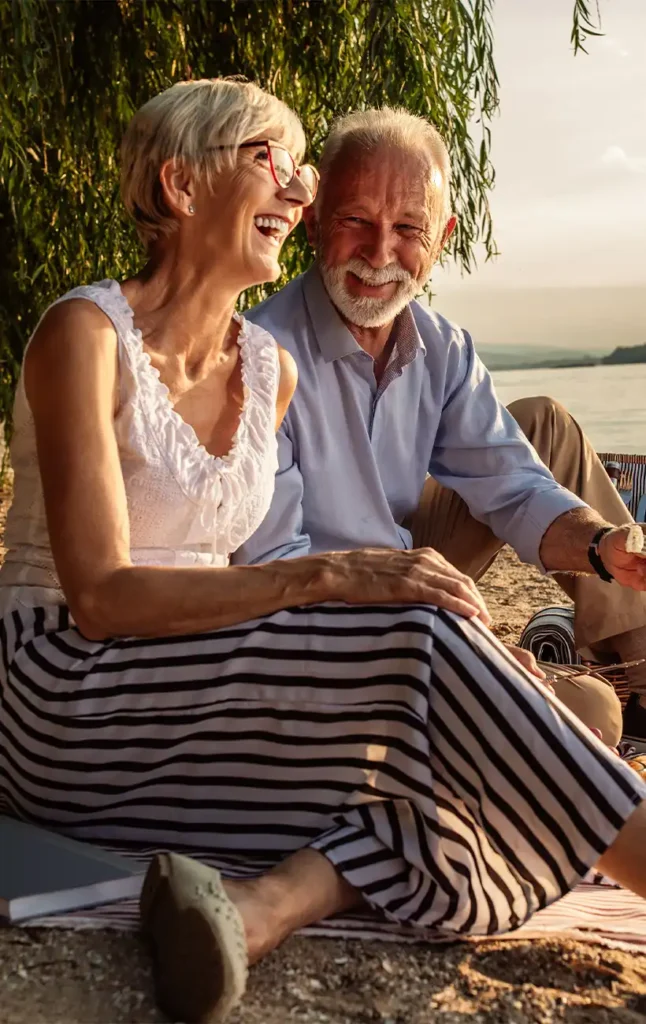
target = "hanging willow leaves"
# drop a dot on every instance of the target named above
(72, 73)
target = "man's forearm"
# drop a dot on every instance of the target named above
(564, 546)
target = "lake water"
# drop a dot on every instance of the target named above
(608, 401)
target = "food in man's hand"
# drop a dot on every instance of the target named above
(635, 540)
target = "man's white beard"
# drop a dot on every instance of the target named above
(362, 310)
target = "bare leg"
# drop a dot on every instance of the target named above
(594, 702)
(624, 860)
(306, 888)
(303, 889)
(205, 931)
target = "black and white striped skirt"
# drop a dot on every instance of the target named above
(404, 743)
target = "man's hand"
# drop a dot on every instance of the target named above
(627, 568)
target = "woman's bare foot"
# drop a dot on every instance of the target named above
(303, 889)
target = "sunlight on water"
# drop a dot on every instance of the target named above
(608, 401)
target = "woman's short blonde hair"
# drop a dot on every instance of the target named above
(187, 123)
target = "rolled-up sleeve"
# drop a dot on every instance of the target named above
(482, 454)
(280, 535)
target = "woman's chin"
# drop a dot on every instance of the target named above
(265, 270)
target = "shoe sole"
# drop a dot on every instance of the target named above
(200, 961)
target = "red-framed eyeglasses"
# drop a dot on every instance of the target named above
(283, 166)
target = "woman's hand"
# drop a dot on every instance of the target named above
(527, 660)
(385, 575)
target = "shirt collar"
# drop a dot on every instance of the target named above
(407, 339)
(334, 339)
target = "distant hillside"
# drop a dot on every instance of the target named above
(508, 357)
(585, 320)
(632, 354)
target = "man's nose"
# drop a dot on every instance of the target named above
(378, 248)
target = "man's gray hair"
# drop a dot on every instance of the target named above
(369, 130)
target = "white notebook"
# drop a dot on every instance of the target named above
(44, 873)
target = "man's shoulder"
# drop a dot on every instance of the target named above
(434, 326)
(442, 338)
(283, 315)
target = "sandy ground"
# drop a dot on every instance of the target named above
(62, 977)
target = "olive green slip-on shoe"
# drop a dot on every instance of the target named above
(197, 937)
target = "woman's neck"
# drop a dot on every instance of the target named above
(183, 308)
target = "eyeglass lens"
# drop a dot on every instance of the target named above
(284, 170)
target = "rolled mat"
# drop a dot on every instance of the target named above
(549, 635)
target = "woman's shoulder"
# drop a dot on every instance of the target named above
(262, 338)
(287, 383)
(254, 332)
(91, 303)
(68, 323)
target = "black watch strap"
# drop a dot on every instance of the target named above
(595, 558)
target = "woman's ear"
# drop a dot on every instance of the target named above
(177, 187)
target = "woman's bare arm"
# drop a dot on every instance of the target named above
(71, 380)
(71, 384)
(287, 385)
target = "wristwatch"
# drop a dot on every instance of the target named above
(595, 558)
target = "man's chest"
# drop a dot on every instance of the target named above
(341, 422)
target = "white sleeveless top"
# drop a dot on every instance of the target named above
(185, 506)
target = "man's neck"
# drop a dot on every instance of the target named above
(373, 340)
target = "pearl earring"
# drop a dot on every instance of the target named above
(191, 209)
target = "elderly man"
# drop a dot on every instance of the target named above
(389, 392)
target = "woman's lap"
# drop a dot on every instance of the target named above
(403, 743)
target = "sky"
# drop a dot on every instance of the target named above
(569, 148)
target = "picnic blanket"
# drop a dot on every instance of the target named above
(596, 911)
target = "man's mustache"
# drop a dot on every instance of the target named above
(377, 275)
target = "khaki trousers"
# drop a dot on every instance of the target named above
(443, 521)
(601, 610)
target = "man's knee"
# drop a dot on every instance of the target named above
(594, 702)
(531, 414)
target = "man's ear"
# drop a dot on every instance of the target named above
(311, 224)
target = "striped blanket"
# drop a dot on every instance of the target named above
(596, 911)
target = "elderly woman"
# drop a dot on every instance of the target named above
(376, 747)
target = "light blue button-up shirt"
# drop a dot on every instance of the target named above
(353, 457)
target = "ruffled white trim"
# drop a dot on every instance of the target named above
(233, 491)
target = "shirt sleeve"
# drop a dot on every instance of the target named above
(280, 535)
(481, 452)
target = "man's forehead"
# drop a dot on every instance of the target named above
(383, 176)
